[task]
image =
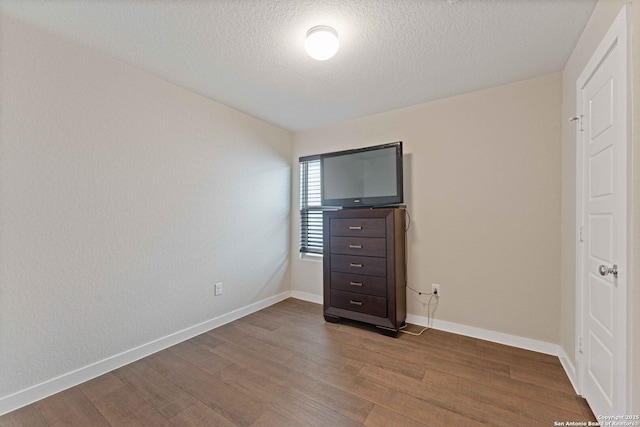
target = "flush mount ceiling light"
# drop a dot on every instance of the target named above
(322, 42)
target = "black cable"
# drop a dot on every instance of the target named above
(406, 278)
(418, 292)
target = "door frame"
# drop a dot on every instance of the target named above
(619, 33)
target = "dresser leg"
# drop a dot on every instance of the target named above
(331, 319)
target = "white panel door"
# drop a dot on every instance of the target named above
(603, 139)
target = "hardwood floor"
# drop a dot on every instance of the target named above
(285, 366)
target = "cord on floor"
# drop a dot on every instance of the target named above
(429, 320)
(415, 334)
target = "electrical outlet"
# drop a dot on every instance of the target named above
(218, 289)
(435, 289)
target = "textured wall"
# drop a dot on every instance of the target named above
(482, 184)
(122, 200)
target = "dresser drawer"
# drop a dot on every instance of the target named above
(358, 227)
(370, 285)
(368, 266)
(376, 306)
(364, 246)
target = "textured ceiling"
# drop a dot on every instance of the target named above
(249, 54)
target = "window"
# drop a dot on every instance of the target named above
(310, 210)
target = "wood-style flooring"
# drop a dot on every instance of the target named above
(285, 366)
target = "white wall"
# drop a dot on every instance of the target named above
(122, 200)
(482, 185)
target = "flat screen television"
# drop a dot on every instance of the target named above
(364, 177)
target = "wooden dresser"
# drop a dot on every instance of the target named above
(364, 267)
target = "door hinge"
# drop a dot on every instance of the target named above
(578, 118)
(580, 234)
(580, 345)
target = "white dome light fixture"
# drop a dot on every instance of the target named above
(322, 42)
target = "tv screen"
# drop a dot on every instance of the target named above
(364, 177)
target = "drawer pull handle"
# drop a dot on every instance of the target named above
(355, 283)
(358, 303)
(355, 265)
(355, 227)
(355, 246)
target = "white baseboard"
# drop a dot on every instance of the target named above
(40, 391)
(304, 296)
(487, 335)
(469, 331)
(569, 369)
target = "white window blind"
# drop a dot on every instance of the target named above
(310, 210)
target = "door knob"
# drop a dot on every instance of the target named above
(604, 270)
